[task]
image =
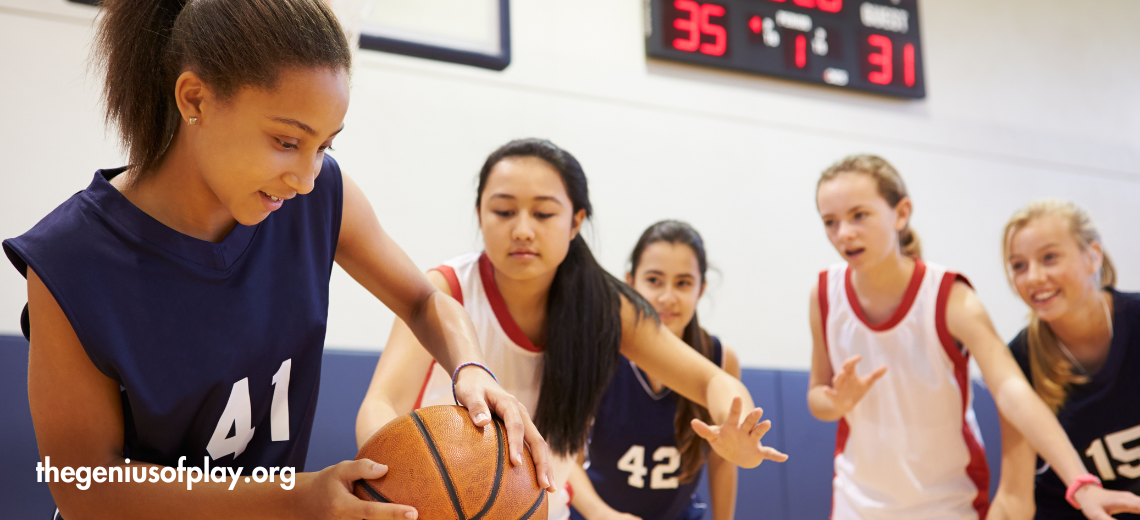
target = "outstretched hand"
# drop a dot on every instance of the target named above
(738, 441)
(477, 391)
(847, 388)
(1101, 504)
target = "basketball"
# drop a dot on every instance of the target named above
(447, 468)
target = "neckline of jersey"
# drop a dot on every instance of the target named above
(220, 256)
(499, 306)
(1110, 370)
(904, 306)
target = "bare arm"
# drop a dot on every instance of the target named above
(398, 377)
(831, 395)
(78, 418)
(668, 359)
(722, 474)
(969, 323)
(1014, 499)
(436, 321)
(586, 499)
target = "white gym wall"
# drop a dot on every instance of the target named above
(1025, 99)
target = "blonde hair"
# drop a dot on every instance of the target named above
(1051, 370)
(890, 185)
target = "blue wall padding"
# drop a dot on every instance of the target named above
(344, 379)
(797, 489)
(20, 495)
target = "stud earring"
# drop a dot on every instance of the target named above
(192, 121)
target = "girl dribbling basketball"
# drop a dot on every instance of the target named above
(551, 322)
(644, 459)
(907, 444)
(1081, 351)
(177, 307)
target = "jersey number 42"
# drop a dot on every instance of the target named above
(633, 462)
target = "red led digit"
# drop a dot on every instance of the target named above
(801, 51)
(829, 6)
(804, 3)
(688, 24)
(756, 24)
(908, 64)
(720, 41)
(882, 58)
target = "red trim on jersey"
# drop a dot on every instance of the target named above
(487, 273)
(843, 430)
(423, 387)
(570, 491)
(452, 282)
(977, 469)
(904, 305)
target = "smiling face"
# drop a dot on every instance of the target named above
(669, 277)
(527, 218)
(262, 147)
(1051, 272)
(860, 224)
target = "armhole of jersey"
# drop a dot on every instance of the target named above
(951, 346)
(823, 307)
(976, 469)
(452, 282)
(423, 387)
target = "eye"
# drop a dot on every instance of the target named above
(829, 223)
(684, 283)
(286, 145)
(543, 216)
(1017, 266)
(653, 280)
(1049, 258)
(860, 215)
(503, 213)
(325, 148)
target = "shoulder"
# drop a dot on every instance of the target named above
(728, 360)
(63, 232)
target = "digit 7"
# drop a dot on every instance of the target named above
(689, 24)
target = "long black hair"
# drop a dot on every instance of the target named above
(144, 45)
(583, 314)
(694, 450)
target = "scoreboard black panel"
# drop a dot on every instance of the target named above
(869, 45)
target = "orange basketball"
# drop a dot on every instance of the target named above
(440, 463)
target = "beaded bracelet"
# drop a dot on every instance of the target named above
(455, 376)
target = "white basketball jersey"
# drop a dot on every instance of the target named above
(516, 362)
(910, 449)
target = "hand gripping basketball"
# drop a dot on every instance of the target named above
(738, 441)
(479, 392)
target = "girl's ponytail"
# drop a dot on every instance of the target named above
(132, 46)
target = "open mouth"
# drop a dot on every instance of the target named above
(852, 253)
(271, 197)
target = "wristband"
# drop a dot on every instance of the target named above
(455, 376)
(1078, 483)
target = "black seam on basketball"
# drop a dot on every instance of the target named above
(439, 464)
(499, 448)
(373, 493)
(528, 514)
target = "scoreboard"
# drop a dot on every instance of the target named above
(868, 45)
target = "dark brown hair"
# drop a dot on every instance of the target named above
(891, 188)
(583, 314)
(694, 450)
(144, 45)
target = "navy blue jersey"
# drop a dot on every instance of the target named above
(216, 347)
(1101, 417)
(633, 459)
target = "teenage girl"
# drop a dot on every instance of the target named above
(177, 307)
(551, 322)
(644, 459)
(1081, 351)
(907, 444)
